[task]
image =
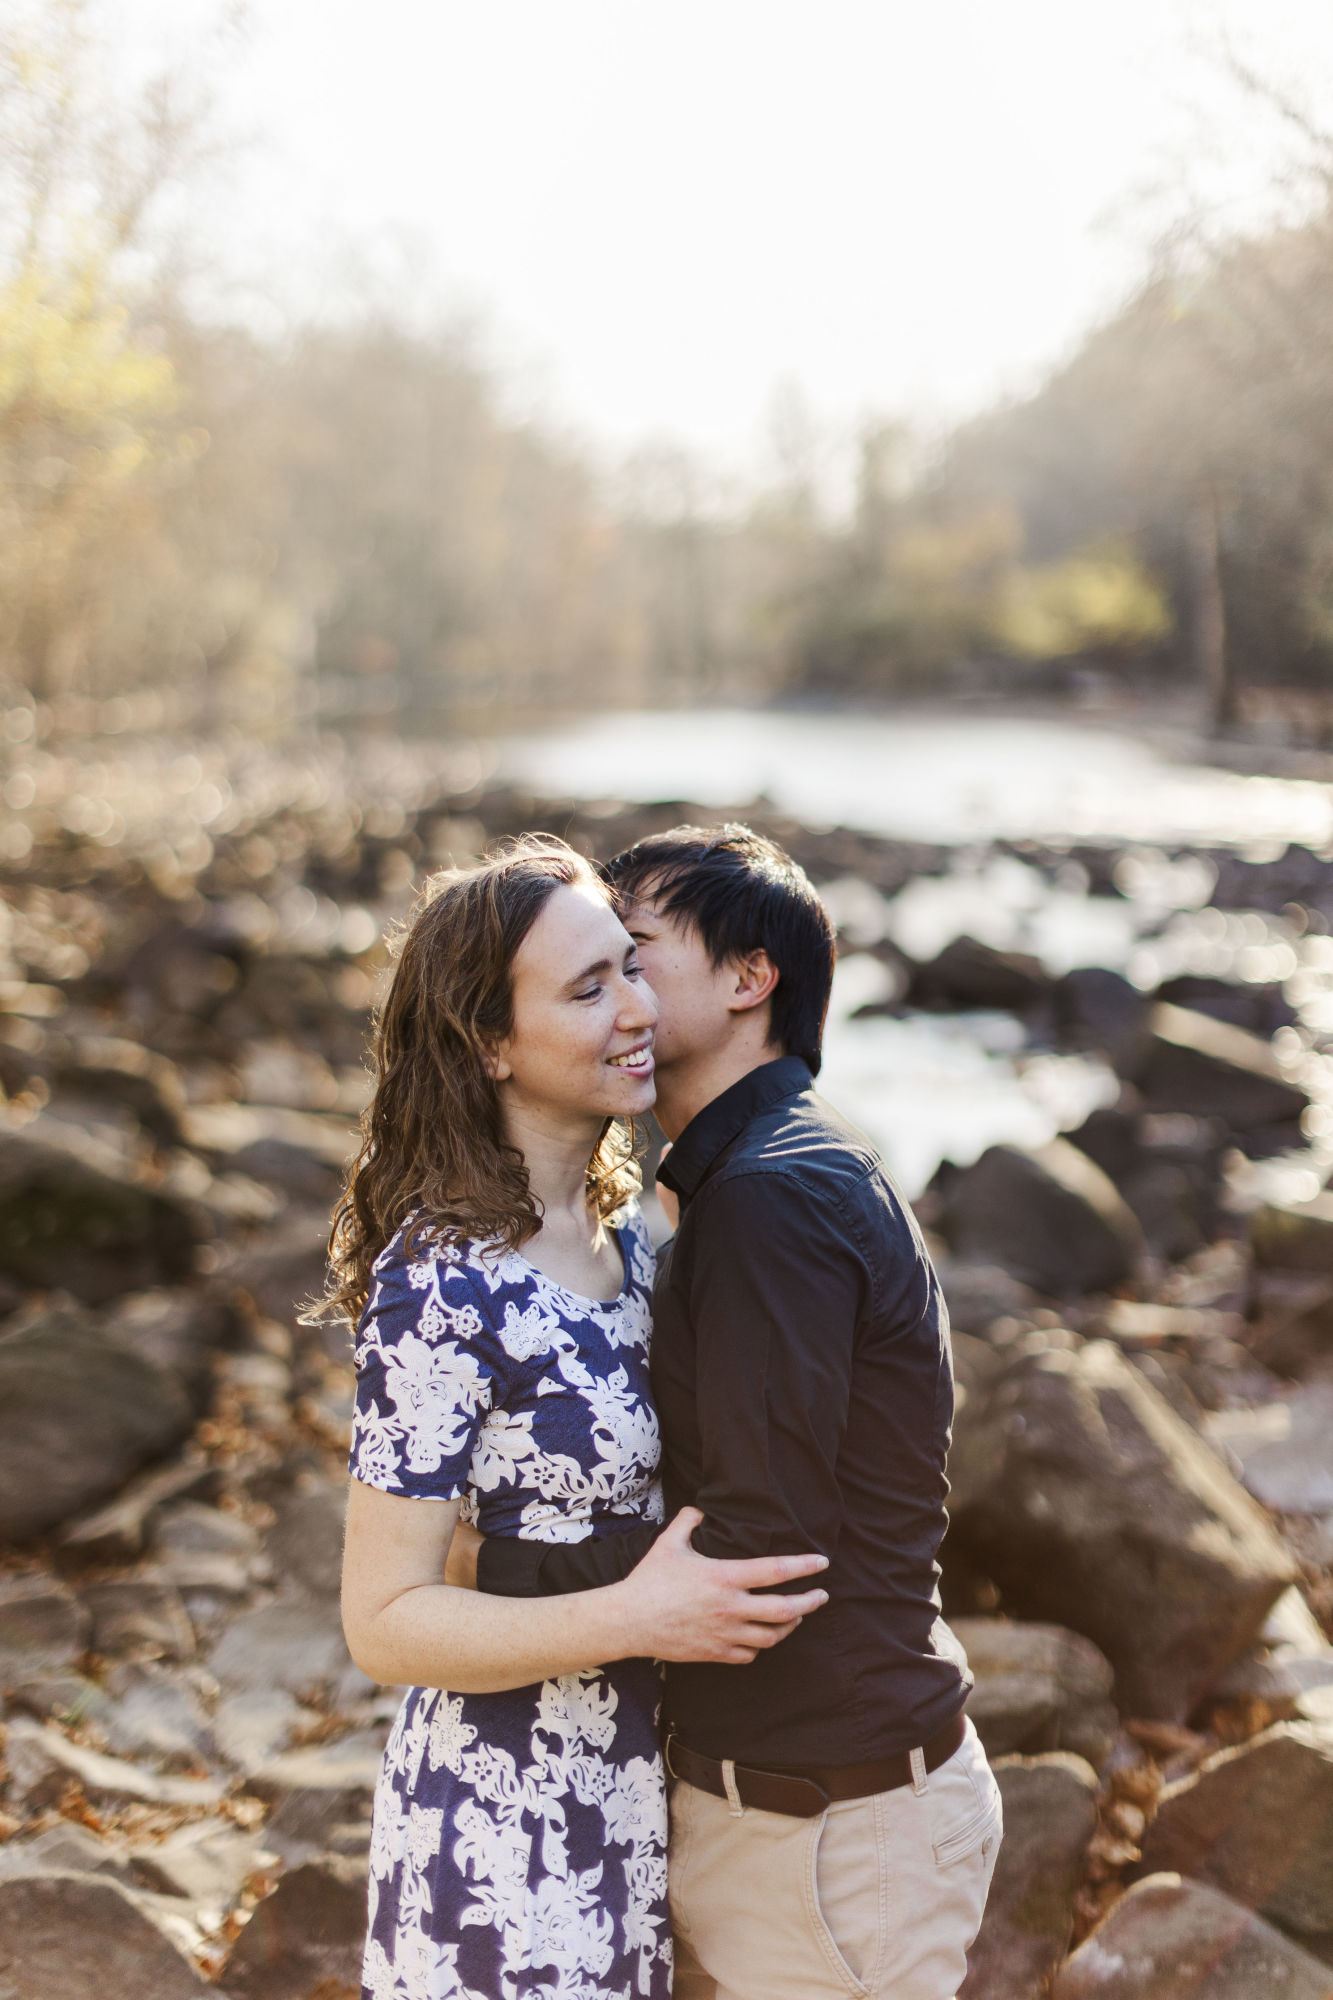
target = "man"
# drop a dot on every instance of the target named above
(834, 1821)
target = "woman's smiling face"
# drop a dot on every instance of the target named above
(584, 1017)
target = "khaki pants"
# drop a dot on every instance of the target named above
(877, 1898)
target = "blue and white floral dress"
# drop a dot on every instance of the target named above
(519, 1844)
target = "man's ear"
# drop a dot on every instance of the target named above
(756, 979)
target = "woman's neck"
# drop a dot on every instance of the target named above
(556, 1149)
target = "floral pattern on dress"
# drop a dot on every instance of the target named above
(519, 1841)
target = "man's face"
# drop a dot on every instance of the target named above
(693, 994)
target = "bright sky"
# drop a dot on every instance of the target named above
(665, 211)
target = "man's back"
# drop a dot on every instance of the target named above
(802, 1375)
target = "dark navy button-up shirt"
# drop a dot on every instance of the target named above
(801, 1368)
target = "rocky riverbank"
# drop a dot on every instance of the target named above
(1141, 1556)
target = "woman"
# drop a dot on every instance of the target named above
(488, 1244)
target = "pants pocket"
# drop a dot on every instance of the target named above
(846, 1864)
(963, 1804)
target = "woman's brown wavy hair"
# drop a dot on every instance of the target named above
(433, 1147)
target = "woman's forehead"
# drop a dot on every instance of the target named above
(576, 922)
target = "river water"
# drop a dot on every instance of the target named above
(927, 1086)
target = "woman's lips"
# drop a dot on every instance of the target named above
(634, 1062)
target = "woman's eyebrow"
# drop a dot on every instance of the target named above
(589, 972)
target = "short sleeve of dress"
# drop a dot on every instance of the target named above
(426, 1367)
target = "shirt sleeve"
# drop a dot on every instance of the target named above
(426, 1368)
(507, 1567)
(776, 1287)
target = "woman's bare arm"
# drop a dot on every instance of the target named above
(406, 1628)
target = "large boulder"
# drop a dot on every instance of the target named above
(1093, 1505)
(1168, 1167)
(1187, 1061)
(78, 1415)
(1050, 1814)
(66, 1936)
(1174, 1940)
(1257, 1822)
(67, 1225)
(1037, 1687)
(1096, 1008)
(968, 973)
(1046, 1214)
(306, 1938)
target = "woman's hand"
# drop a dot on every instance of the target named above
(679, 1605)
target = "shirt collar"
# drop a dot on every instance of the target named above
(725, 1118)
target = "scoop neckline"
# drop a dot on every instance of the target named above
(583, 1298)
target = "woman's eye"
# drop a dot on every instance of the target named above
(591, 994)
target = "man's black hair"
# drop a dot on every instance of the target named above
(742, 893)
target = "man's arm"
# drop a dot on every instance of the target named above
(507, 1567)
(777, 1285)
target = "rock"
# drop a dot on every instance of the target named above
(1173, 1940)
(1284, 1449)
(968, 973)
(249, 1729)
(1096, 1008)
(1296, 1235)
(306, 1544)
(63, 1850)
(104, 1069)
(64, 1224)
(115, 1533)
(142, 1616)
(979, 1294)
(1190, 1062)
(42, 1761)
(1167, 1166)
(306, 1938)
(1292, 1331)
(202, 1549)
(206, 1862)
(1050, 1814)
(296, 1171)
(1047, 1215)
(63, 1937)
(297, 1646)
(1092, 1505)
(42, 1629)
(288, 1269)
(314, 1792)
(178, 1332)
(1261, 1010)
(1291, 1667)
(68, 1698)
(78, 1416)
(155, 1714)
(1038, 1688)
(1257, 1822)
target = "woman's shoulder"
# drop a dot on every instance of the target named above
(428, 1271)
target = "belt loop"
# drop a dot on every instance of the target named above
(734, 1800)
(917, 1760)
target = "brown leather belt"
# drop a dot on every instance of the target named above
(803, 1790)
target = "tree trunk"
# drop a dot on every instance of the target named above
(1208, 610)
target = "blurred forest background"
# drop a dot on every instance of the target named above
(199, 524)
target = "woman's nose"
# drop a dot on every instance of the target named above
(639, 1008)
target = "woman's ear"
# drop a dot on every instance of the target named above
(495, 1062)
